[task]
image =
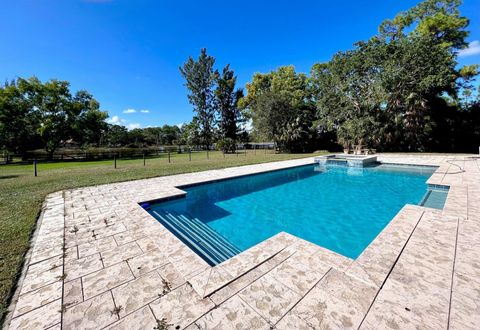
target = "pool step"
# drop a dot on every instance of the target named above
(434, 199)
(206, 242)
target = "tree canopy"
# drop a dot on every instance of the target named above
(399, 90)
(34, 114)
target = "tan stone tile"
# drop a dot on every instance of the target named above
(465, 312)
(370, 276)
(82, 266)
(337, 301)
(110, 230)
(41, 318)
(190, 265)
(330, 258)
(420, 272)
(106, 279)
(120, 253)
(209, 280)
(269, 298)
(129, 236)
(42, 273)
(233, 314)
(139, 292)
(171, 275)
(297, 276)
(92, 314)
(292, 321)
(72, 292)
(38, 298)
(173, 248)
(71, 253)
(139, 320)
(467, 285)
(96, 246)
(467, 261)
(324, 311)
(46, 252)
(147, 262)
(389, 315)
(344, 287)
(419, 306)
(147, 243)
(374, 264)
(180, 307)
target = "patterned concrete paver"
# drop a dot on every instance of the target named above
(98, 260)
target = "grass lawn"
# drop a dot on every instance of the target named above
(22, 194)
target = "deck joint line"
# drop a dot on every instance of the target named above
(391, 269)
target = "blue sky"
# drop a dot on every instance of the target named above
(127, 53)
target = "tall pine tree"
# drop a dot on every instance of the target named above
(226, 102)
(200, 79)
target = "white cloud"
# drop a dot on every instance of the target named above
(129, 111)
(133, 126)
(116, 120)
(180, 125)
(472, 49)
(145, 111)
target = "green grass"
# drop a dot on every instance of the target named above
(22, 194)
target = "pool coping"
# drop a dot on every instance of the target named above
(208, 281)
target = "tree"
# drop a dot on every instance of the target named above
(35, 114)
(153, 135)
(56, 114)
(280, 106)
(170, 134)
(348, 94)
(89, 125)
(200, 80)
(190, 133)
(437, 20)
(19, 114)
(116, 135)
(384, 91)
(226, 98)
(226, 102)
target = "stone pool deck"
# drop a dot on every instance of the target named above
(98, 260)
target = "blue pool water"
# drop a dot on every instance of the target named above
(340, 208)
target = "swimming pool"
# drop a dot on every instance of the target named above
(340, 208)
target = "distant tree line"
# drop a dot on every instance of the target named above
(402, 90)
(36, 115)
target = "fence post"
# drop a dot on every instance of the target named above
(265, 150)
(144, 158)
(169, 156)
(254, 149)
(190, 154)
(207, 153)
(35, 166)
(114, 161)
